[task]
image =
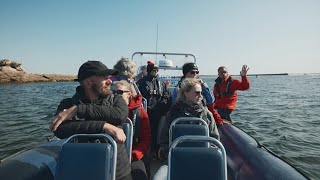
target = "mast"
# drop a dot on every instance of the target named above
(157, 44)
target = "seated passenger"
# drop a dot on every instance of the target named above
(142, 72)
(188, 104)
(127, 70)
(140, 121)
(94, 109)
(190, 70)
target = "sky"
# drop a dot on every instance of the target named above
(57, 36)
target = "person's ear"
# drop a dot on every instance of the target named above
(86, 82)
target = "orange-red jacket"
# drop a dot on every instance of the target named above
(227, 98)
(141, 148)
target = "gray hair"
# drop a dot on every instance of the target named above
(126, 67)
(186, 85)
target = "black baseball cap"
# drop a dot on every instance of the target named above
(188, 67)
(91, 68)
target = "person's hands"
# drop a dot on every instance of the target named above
(66, 114)
(224, 122)
(163, 152)
(244, 70)
(117, 133)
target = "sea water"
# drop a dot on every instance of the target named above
(281, 112)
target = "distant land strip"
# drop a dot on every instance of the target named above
(277, 74)
(13, 72)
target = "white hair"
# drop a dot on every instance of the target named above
(126, 67)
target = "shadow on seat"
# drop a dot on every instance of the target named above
(197, 162)
(128, 131)
(188, 126)
(87, 160)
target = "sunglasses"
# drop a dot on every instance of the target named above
(198, 93)
(120, 92)
(194, 72)
(223, 72)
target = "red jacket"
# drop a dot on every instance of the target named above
(215, 114)
(229, 101)
(140, 149)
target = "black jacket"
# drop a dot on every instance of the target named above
(155, 91)
(90, 119)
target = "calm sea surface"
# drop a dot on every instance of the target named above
(282, 112)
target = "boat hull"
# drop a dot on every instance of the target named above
(247, 159)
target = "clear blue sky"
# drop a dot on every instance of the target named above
(57, 36)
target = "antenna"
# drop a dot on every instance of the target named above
(157, 44)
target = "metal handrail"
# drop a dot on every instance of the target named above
(164, 54)
(186, 119)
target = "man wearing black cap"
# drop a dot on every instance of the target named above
(158, 100)
(94, 109)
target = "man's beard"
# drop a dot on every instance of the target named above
(102, 91)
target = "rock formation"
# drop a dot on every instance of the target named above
(12, 72)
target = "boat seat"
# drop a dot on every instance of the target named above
(128, 131)
(145, 103)
(188, 126)
(197, 162)
(85, 161)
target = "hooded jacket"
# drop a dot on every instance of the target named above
(142, 146)
(228, 96)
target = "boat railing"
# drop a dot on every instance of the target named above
(127, 127)
(187, 126)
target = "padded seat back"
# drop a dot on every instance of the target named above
(85, 161)
(197, 162)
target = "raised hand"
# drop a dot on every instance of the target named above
(244, 70)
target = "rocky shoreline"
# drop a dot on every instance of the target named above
(12, 72)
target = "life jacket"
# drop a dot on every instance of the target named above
(136, 122)
(227, 92)
(155, 88)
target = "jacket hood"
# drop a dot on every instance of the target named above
(135, 102)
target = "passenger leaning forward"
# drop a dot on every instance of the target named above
(94, 109)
